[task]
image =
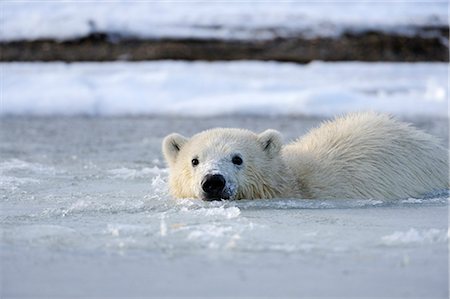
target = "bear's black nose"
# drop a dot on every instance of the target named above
(212, 185)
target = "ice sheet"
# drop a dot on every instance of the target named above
(223, 88)
(85, 212)
(213, 19)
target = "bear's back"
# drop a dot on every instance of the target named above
(367, 155)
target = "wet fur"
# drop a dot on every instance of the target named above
(361, 155)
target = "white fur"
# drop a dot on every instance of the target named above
(364, 155)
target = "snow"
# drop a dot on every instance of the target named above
(220, 88)
(212, 19)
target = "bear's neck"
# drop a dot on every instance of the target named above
(282, 182)
(297, 169)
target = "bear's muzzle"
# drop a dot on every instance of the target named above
(213, 186)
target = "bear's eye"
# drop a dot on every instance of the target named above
(237, 160)
(195, 162)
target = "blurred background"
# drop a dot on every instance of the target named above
(90, 88)
(236, 47)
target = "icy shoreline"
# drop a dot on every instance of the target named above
(170, 88)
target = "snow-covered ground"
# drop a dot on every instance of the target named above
(213, 19)
(85, 213)
(209, 89)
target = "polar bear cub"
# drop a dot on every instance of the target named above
(361, 155)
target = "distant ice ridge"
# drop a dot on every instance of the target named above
(220, 88)
(212, 19)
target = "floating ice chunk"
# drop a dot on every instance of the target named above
(437, 196)
(78, 206)
(20, 165)
(131, 174)
(413, 236)
(158, 188)
(15, 173)
(121, 230)
(232, 242)
(412, 200)
(222, 212)
(228, 213)
(113, 230)
(13, 183)
(208, 231)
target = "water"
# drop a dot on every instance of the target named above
(85, 212)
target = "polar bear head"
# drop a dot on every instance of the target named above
(225, 164)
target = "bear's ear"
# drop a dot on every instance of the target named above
(271, 142)
(171, 146)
